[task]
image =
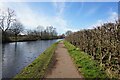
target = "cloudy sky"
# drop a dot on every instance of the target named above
(63, 15)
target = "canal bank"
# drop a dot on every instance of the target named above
(63, 60)
(54, 62)
(16, 56)
(39, 66)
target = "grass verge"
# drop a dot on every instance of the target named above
(85, 64)
(38, 67)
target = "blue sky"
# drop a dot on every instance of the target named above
(64, 15)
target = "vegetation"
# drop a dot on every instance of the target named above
(68, 33)
(85, 64)
(102, 44)
(16, 29)
(39, 66)
(12, 29)
(6, 19)
(41, 33)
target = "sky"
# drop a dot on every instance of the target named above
(63, 16)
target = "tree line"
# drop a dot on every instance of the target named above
(103, 44)
(11, 29)
(40, 33)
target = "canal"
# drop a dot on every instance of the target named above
(15, 56)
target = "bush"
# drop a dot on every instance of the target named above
(102, 44)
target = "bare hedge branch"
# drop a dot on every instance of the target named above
(103, 44)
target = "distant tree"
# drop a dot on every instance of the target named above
(40, 30)
(16, 28)
(54, 32)
(32, 34)
(29, 34)
(51, 32)
(63, 36)
(68, 33)
(41, 33)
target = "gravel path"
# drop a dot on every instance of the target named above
(64, 67)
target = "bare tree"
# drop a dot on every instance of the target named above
(7, 17)
(40, 30)
(51, 32)
(54, 33)
(16, 28)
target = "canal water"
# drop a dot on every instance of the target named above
(15, 56)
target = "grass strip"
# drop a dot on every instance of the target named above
(85, 64)
(38, 67)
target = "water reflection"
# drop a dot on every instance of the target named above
(18, 55)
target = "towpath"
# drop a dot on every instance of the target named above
(64, 67)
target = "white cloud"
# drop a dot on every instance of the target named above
(112, 17)
(59, 20)
(59, 7)
(31, 19)
(2, 5)
(63, 25)
(91, 11)
(98, 23)
(80, 8)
